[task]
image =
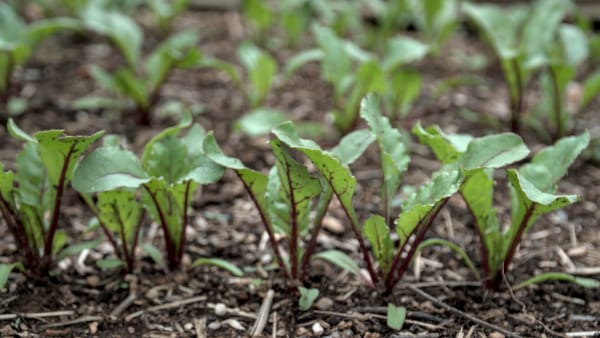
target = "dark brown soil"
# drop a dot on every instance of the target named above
(212, 303)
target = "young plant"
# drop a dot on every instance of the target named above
(261, 69)
(570, 51)
(18, 42)
(353, 72)
(141, 80)
(165, 12)
(286, 196)
(120, 216)
(31, 198)
(418, 209)
(532, 186)
(170, 171)
(436, 20)
(522, 41)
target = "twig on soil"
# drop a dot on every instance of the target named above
(461, 313)
(457, 284)
(274, 324)
(166, 306)
(36, 315)
(263, 314)
(84, 319)
(585, 271)
(367, 316)
(221, 310)
(200, 327)
(583, 334)
(123, 306)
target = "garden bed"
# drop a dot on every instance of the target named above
(442, 297)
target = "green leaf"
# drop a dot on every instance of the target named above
(402, 50)
(297, 187)
(497, 27)
(591, 89)
(447, 148)
(528, 203)
(221, 263)
(170, 198)
(120, 212)
(403, 89)
(494, 151)
(153, 252)
(340, 259)
(574, 44)
(178, 51)
(396, 315)
(5, 269)
(60, 153)
(458, 250)
(307, 297)
(378, 234)
(12, 28)
(424, 202)
(109, 263)
(336, 173)
(302, 58)
(173, 131)
(7, 180)
(393, 151)
(539, 32)
(260, 121)
(72, 250)
(584, 282)
(478, 193)
(549, 165)
(59, 241)
(261, 69)
(18, 133)
(124, 32)
(34, 188)
(352, 146)
(212, 150)
(109, 168)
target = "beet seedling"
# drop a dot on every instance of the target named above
(353, 72)
(31, 198)
(286, 196)
(18, 41)
(170, 171)
(522, 41)
(532, 187)
(140, 82)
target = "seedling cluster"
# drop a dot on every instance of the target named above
(373, 74)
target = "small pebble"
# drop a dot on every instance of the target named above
(333, 224)
(214, 325)
(131, 330)
(324, 303)
(188, 326)
(93, 280)
(317, 329)
(496, 335)
(220, 309)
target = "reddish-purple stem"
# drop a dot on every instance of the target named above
(55, 213)
(515, 242)
(310, 248)
(270, 232)
(171, 254)
(422, 228)
(184, 222)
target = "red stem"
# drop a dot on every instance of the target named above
(55, 213)
(270, 232)
(171, 254)
(422, 228)
(515, 242)
(317, 225)
(184, 222)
